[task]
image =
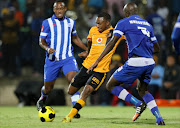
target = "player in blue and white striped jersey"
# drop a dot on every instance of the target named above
(141, 45)
(56, 37)
(176, 35)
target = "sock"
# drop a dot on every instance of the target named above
(123, 94)
(75, 98)
(151, 104)
(43, 95)
(80, 103)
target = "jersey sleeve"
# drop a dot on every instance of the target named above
(90, 34)
(152, 36)
(119, 29)
(44, 29)
(74, 32)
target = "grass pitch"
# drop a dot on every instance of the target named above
(91, 117)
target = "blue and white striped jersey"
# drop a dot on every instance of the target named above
(139, 35)
(58, 36)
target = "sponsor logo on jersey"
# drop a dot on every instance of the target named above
(99, 40)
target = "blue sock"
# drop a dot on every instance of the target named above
(75, 98)
(43, 95)
(121, 93)
(151, 104)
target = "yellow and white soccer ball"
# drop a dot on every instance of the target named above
(46, 114)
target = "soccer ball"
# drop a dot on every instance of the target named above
(46, 114)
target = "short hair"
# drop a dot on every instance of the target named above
(105, 15)
(64, 1)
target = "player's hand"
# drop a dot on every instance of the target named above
(83, 54)
(50, 50)
(90, 69)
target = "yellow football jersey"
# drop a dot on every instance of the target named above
(99, 41)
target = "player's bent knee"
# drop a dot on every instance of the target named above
(142, 91)
(70, 92)
(112, 82)
(108, 87)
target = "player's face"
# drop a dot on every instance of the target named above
(59, 9)
(101, 24)
(126, 13)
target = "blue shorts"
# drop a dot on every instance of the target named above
(128, 74)
(52, 68)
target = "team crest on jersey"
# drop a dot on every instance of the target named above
(99, 40)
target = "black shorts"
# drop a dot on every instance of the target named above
(95, 79)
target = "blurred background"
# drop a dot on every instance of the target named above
(22, 59)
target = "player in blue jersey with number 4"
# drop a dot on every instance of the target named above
(56, 36)
(141, 45)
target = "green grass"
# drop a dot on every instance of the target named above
(91, 117)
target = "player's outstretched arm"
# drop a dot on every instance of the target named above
(78, 42)
(44, 45)
(156, 48)
(106, 50)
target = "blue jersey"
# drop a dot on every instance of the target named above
(139, 36)
(58, 36)
(176, 35)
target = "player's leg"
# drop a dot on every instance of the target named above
(79, 104)
(77, 82)
(149, 100)
(94, 82)
(73, 91)
(124, 74)
(51, 70)
(45, 90)
(113, 86)
(70, 69)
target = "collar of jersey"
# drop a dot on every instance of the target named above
(135, 15)
(54, 17)
(107, 30)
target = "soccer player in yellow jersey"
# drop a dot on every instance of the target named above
(97, 39)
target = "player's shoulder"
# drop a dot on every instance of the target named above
(71, 20)
(124, 20)
(94, 29)
(46, 21)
